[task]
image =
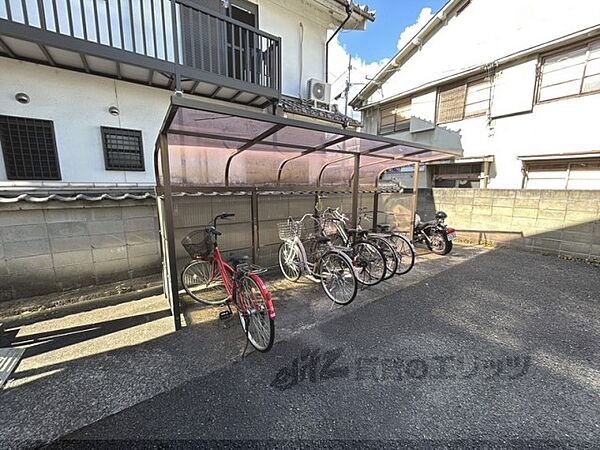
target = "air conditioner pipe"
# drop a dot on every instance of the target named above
(349, 14)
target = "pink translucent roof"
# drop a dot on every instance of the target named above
(220, 146)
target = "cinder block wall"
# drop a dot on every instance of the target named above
(566, 223)
(58, 246)
(55, 246)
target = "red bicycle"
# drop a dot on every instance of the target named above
(210, 280)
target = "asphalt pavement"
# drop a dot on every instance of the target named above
(500, 351)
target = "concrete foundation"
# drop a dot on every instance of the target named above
(57, 246)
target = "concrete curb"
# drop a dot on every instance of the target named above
(80, 306)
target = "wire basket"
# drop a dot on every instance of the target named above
(289, 230)
(329, 227)
(199, 244)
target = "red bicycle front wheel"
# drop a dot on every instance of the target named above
(256, 322)
(203, 281)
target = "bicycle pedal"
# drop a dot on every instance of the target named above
(224, 315)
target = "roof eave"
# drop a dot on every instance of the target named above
(365, 14)
(397, 60)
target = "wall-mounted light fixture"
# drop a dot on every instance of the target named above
(113, 110)
(22, 98)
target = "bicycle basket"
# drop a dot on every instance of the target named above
(199, 243)
(289, 230)
(329, 227)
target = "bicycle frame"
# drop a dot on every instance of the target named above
(227, 272)
(307, 268)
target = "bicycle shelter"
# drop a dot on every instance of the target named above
(210, 149)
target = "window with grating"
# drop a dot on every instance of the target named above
(123, 149)
(451, 104)
(29, 148)
(395, 117)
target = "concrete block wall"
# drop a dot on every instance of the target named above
(561, 222)
(56, 246)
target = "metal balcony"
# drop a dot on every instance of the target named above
(174, 44)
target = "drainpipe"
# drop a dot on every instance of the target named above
(349, 14)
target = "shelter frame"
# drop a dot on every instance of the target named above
(344, 148)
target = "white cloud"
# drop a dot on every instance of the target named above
(410, 31)
(362, 71)
(338, 74)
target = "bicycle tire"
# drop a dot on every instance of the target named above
(254, 317)
(288, 270)
(406, 253)
(204, 286)
(334, 267)
(368, 262)
(389, 252)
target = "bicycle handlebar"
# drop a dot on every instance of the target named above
(222, 216)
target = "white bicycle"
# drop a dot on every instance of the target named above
(316, 258)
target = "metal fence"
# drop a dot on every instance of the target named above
(253, 230)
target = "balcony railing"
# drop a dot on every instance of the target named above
(196, 43)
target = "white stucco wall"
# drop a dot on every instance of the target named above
(562, 126)
(485, 31)
(78, 104)
(303, 33)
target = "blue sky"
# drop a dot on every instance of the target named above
(395, 20)
(380, 38)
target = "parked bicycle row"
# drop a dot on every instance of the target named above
(320, 247)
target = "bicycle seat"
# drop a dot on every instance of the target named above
(384, 227)
(357, 233)
(323, 240)
(236, 260)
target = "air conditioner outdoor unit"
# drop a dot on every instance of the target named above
(319, 92)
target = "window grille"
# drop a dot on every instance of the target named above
(123, 149)
(29, 148)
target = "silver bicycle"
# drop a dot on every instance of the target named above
(334, 225)
(305, 251)
(405, 250)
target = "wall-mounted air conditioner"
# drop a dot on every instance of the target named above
(319, 92)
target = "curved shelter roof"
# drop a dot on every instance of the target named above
(204, 147)
(214, 146)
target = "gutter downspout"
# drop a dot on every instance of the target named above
(349, 14)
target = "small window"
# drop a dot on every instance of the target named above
(395, 117)
(29, 148)
(466, 100)
(123, 149)
(570, 73)
(478, 98)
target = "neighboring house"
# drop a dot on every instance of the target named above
(84, 89)
(514, 83)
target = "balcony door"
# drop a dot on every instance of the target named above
(241, 44)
